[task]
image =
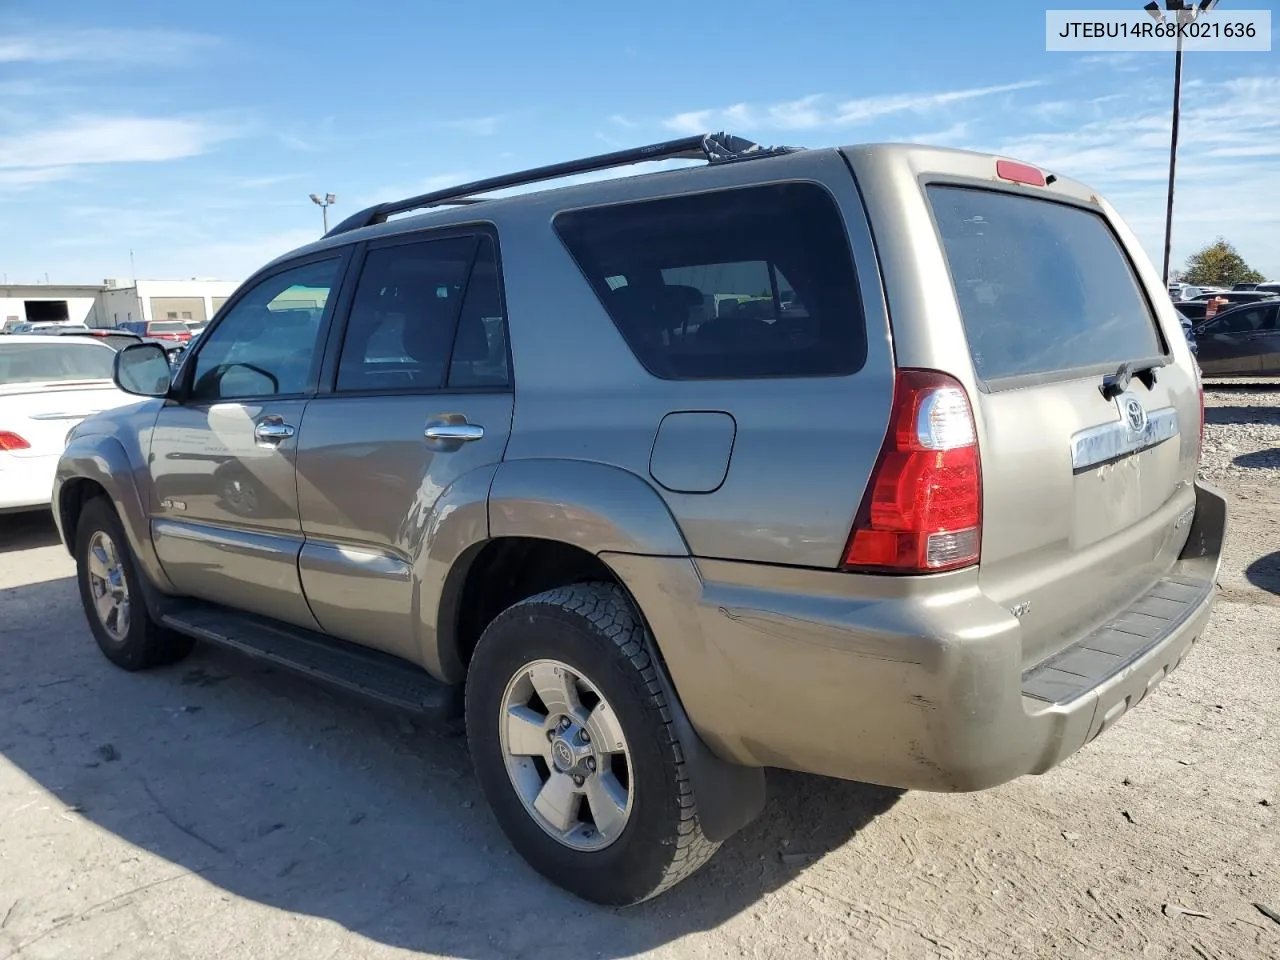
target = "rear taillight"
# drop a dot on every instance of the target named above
(11, 441)
(922, 512)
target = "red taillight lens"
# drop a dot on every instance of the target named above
(923, 509)
(11, 441)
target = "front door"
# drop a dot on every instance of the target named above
(420, 403)
(1226, 345)
(225, 505)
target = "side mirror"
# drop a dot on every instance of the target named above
(143, 370)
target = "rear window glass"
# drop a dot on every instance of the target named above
(169, 326)
(752, 282)
(1042, 286)
(54, 362)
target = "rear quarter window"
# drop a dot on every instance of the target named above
(744, 283)
(1043, 287)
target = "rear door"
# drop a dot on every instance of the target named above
(1229, 343)
(420, 399)
(1083, 493)
(1268, 339)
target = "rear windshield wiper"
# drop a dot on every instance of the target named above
(1117, 383)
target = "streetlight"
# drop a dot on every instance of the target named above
(1185, 12)
(323, 204)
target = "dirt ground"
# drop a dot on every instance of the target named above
(218, 809)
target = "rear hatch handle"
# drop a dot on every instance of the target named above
(1114, 384)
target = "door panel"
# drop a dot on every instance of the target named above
(225, 510)
(226, 524)
(421, 398)
(1228, 345)
(368, 485)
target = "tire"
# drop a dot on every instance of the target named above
(143, 643)
(594, 631)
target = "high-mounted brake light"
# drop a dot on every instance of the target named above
(922, 512)
(11, 441)
(1016, 172)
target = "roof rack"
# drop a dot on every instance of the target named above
(714, 148)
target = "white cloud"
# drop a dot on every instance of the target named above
(477, 126)
(23, 179)
(813, 112)
(92, 140)
(103, 46)
(1227, 160)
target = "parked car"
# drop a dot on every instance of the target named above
(1187, 326)
(935, 526)
(174, 330)
(1208, 305)
(1188, 291)
(1269, 287)
(1241, 341)
(47, 386)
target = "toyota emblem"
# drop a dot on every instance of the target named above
(1135, 414)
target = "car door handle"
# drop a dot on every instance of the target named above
(454, 431)
(272, 431)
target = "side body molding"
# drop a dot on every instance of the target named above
(600, 508)
(102, 459)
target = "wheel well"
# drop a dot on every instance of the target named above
(511, 569)
(74, 495)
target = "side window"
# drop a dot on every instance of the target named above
(480, 349)
(1241, 321)
(750, 282)
(419, 308)
(266, 345)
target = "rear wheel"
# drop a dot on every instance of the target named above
(573, 747)
(111, 592)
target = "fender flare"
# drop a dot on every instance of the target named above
(101, 459)
(607, 510)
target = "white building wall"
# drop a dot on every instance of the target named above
(80, 308)
(203, 289)
(120, 306)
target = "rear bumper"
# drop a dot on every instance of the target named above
(26, 482)
(785, 668)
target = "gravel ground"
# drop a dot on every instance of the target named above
(218, 809)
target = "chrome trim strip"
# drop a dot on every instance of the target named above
(1110, 441)
(238, 541)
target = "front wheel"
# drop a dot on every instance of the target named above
(111, 592)
(574, 749)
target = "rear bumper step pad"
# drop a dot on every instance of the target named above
(1118, 643)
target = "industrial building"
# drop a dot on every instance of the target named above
(109, 304)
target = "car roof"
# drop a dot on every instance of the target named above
(485, 208)
(42, 338)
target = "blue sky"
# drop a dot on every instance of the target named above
(192, 134)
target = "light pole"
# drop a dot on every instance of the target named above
(1184, 12)
(323, 203)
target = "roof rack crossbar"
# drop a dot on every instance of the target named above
(711, 147)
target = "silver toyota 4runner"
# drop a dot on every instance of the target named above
(875, 462)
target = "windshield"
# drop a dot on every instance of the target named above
(58, 361)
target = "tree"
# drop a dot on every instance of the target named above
(1219, 265)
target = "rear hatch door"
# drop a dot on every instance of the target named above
(1087, 470)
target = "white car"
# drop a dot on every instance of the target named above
(48, 385)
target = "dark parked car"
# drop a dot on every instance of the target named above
(1209, 305)
(1241, 341)
(1186, 323)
